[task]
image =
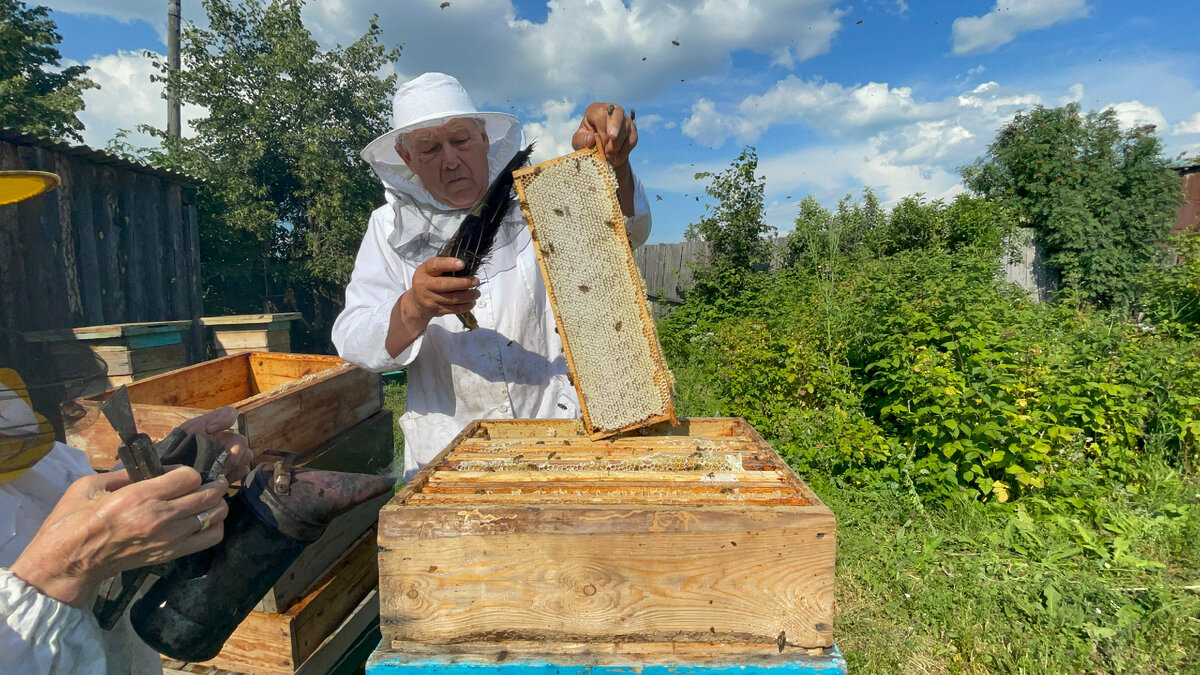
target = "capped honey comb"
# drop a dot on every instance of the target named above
(596, 291)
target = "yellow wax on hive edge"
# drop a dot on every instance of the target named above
(18, 185)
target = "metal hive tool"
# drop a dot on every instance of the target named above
(598, 295)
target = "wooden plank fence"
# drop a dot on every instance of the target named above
(668, 276)
(116, 242)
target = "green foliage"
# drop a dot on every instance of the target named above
(1098, 197)
(864, 229)
(924, 371)
(735, 229)
(1095, 580)
(286, 198)
(37, 95)
(1171, 289)
(819, 234)
(1014, 482)
(916, 223)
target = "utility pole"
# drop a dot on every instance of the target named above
(172, 67)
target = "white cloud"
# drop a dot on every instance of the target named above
(596, 47)
(153, 13)
(1074, 94)
(553, 133)
(126, 98)
(824, 105)
(1008, 18)
(872, 135)
(1136, 114)
(1188, 126)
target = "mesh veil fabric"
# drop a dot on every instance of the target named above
(599, 299)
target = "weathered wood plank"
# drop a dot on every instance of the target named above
(90, 432)
(126, 361)
(518, 657)
(176, 264)
(12, 253)
(198, 345)
(150, 206)
(83, 213)
(67, 237)
(237, 341)
(135, 260)
(39, 235)
(684, 577)
(298, 418)
(366, 447)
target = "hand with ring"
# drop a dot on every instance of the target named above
(105, 524)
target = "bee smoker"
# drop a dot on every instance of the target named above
(190, 612)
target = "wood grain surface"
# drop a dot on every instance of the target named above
(553, 538)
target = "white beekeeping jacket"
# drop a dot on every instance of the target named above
(512, 366)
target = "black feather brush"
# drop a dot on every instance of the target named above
(473, 241)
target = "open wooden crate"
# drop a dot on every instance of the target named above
(284, 401)
(284, 643)
(528, 535)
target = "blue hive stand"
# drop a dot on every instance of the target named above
(392, 662)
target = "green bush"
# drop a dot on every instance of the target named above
(925, 371)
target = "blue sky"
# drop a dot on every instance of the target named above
(834, 96)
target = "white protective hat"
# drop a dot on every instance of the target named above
(431, 100)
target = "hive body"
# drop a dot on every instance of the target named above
(528, 532)
(598, 297)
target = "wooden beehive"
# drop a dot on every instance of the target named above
(251, 332)
(528, 534)
(284, 401)
(130, 351)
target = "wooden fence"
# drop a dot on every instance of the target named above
(117, 242)
(665, 269)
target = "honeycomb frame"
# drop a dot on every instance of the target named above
(574, 217)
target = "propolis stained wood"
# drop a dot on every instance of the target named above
(530, 532)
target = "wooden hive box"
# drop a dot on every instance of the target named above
(284, 401)
(131, 351)
(251, 332)
(529, 535)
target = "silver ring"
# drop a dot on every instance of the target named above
(205, 519)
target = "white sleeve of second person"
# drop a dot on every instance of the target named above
(43, 635)
(360, 331)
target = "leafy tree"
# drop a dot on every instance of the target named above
(1099, 198)
(736, 229)
(286, 198)
(36, 95)
(819, 234)
(916, 223)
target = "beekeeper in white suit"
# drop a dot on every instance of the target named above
(436, 162)
(64, 529)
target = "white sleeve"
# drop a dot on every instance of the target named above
(377, 282)
(42, 635)
(637, 226)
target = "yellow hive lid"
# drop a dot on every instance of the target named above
(18, 185)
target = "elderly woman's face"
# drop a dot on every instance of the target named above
(450, 160)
